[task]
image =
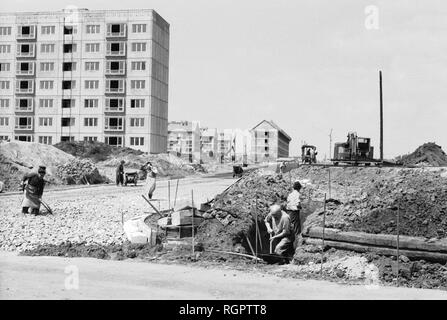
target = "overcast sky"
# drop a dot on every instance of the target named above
(308, 65)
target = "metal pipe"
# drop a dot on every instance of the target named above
(381, 116)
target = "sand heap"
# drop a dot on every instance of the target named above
(429, 154)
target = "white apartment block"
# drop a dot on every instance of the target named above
(76, 74)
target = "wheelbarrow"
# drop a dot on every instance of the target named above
(130, 177)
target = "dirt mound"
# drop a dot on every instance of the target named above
(80, 172)
(232, 216)
(18, 158)
(95, 151)
(429, 154)
(368, 198)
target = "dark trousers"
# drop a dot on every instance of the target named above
(295, 222)
(119, 178)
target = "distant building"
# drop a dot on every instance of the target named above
(76, 74)
(268, 142)
(184, 139)
(208, 145)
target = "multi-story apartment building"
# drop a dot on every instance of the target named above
(208, 144)
(76, 74)
(184, 139)
(268, 142)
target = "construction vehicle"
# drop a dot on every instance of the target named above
(355, 150)
(308, 154)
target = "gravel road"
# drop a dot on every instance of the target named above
(92, 214)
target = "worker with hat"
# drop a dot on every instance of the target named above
(120, 173)
(33, 184)
(278, 226)
(293, 208)
(151, 179)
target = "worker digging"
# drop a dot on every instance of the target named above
(33, 185)
(279, 228)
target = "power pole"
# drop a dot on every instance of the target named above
(381, 116)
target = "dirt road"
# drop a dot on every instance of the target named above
(47, 277)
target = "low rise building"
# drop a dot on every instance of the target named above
(268, 142)
(184, 139)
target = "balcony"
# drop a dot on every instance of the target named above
(114, 105)
(114, 124)
(116, 30)
(26, 32)
(25, 69)
(24, 105)
(115, 86)
(116, 49)
(115, 68)
(24, 123)
(24, 87)
(26, 50)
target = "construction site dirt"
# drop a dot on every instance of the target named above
(357, 197)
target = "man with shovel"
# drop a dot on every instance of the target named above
(33, 185)
(278, 226)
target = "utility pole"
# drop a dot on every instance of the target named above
(381, 116)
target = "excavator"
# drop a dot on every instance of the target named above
(355, 150)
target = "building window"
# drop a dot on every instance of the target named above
(113, 86)
(25, 123)
(68, 84)
(68, 103)
(4, 85)
(114, 141)
(113, 123)
(136, 141)
(93, 28)
(47, 66)
(4, 103)
(92, 47)
(47, 29)
(45, 122)
(69, 66)
(137, 84)
(70, 30)
(137, 122)
(67, 138)
(138, 28)
(25, 50)
(5, 138)
(116, 29)
(46, 84)
(115, 67)
(67, 122)
(91, 103)
(90, 139)
(45, 103)
(5, 31)
(24, 137)
(5, 48)
(138, 65)
(47, 47)
(5, 67)
(4, 121)
(114, 104)
(69, 47)
(137, 103)
(46, 139)
(90, 122)
(138, 46)
(92, 66)
(91, 84)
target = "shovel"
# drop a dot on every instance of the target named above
(46, 206)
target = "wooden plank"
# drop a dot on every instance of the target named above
(381, 240)
(411, 254)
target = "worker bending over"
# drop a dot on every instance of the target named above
(33, 185)
(278, 226)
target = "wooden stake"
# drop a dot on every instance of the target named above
(192, 201)
(329, 182)
(169, 194)
(175, 198)
(122, 217)
(398, 214)
(324, 223)
(257, 231)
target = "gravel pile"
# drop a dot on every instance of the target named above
(429, 154)
(79, 172)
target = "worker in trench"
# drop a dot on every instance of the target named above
(33, 184)
(293, 208)
(120, 173)
(279, 228)
(151, 177)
